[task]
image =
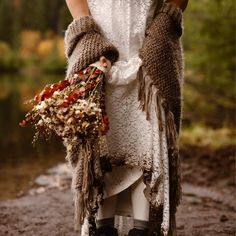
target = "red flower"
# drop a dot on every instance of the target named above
(105, 124)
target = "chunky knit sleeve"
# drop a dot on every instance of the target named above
(161, 54)
(85, 44)
(169, 18)
(162, 57)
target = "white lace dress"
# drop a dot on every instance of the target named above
(130, 135)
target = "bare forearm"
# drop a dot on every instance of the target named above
(78, 8)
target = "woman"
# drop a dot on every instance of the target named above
(135, 138)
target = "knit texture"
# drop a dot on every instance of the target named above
(163, 60)
(162, 57)
(85, 44)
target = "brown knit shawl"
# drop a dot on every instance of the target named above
(162, 57)
(85, 44)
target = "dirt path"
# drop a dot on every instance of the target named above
(51, 213)
(207, 209)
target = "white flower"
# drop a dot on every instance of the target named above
(77, 112)
(75, 76)
(69, 147)
(70, 120)
(56, 93)
(40, 123)
(48, 120)
(65, 109)
(85, 124)
(91, 113)
(41, 106)
(97, 109)
(93, 104)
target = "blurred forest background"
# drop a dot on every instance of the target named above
(32, 55)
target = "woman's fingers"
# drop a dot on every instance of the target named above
(105, 62)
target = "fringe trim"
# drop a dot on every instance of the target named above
(86, 183)
(85, 228)
(145, 95)
(148, 92)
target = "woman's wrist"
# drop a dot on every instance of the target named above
(80, 13)
(78, 8)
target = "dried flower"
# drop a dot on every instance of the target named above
(74, 109)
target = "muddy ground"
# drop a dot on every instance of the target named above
(207, 208)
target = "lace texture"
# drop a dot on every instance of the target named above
(131, 138)
(123, 22)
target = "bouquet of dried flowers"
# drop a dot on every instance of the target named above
(74, 108)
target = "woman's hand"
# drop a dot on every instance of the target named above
(182, 4)
(78, 8)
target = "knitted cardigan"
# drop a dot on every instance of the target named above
(162, 58)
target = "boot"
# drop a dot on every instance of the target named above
(138, 232)
(107, 231)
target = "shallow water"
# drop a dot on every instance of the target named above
(20, 162)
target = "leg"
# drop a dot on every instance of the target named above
(105, 219)
(108, 208)
(140, 209)
(139, 202)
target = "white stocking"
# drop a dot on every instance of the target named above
(108, 208)
(139, 202)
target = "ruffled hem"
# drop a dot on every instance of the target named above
(120, 179)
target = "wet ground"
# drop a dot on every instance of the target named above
(208, 205)
(52, 213)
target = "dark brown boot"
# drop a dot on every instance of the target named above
(138, 232)
(107, 231)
